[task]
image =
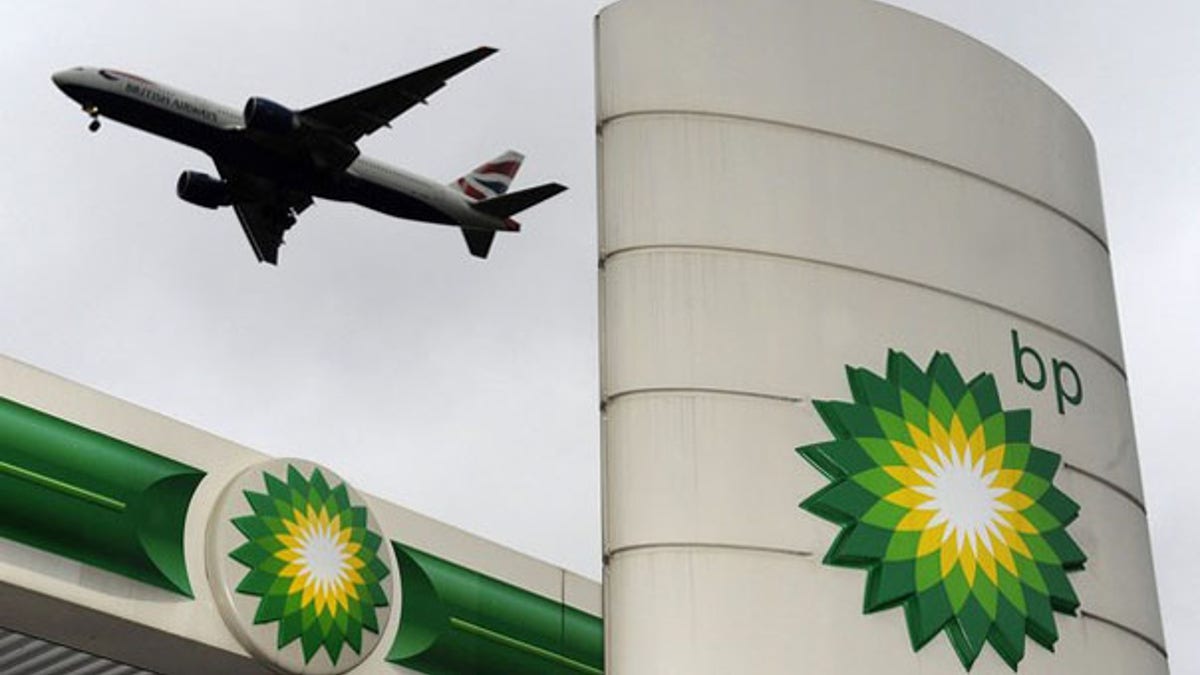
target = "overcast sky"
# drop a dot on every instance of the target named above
(463, 389)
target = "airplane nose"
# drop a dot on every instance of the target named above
(64, 79)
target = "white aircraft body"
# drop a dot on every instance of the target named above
(273, 160)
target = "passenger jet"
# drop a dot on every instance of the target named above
(273, 160)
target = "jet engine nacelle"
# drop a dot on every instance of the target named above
(202, 189)
(266, 115)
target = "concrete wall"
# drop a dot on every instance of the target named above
(788, 187)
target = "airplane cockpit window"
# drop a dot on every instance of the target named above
(116, 75)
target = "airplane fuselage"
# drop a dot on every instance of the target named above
(295, 159)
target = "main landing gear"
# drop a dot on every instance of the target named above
(94, 113)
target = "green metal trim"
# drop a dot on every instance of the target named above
(78, 493)
(518, 645)
(63, 487)
(456, 621)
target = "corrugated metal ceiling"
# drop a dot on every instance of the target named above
(21, 654)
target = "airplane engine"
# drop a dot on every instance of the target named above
(202, 189)
(266, 115)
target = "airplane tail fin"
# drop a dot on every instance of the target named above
(492, 178)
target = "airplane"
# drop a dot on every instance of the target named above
(273, 160)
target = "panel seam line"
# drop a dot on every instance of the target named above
(605, 400)
(1122, 627)
(605, 257)
(702, 390)
(1107, 483)
(807, 554)
(708, 545)
(868, 142)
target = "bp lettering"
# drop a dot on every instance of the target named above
(1031, 371)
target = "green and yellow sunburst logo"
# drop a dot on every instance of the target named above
(313, 562)
(944, 500)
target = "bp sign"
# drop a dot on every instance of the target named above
(945, 501)
(298, 566)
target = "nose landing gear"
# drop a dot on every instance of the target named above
(94, 113)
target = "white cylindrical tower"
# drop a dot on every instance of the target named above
(836, 227)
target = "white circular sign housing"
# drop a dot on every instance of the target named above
(301, 572)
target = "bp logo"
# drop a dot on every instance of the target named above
(949, 507)
(303, 576)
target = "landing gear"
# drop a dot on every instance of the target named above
(94, 113)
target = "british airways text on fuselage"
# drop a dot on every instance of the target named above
(165, 100)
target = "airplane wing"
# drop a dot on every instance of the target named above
(264, 226)
(353, 116)
(264, 209)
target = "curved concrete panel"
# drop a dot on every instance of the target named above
(728, 183)
(774, 327)
(1118, 584)
(723, 472)
(784, 605)
(721, 469)
(858, 69)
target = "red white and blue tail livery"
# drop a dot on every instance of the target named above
(491, 179)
